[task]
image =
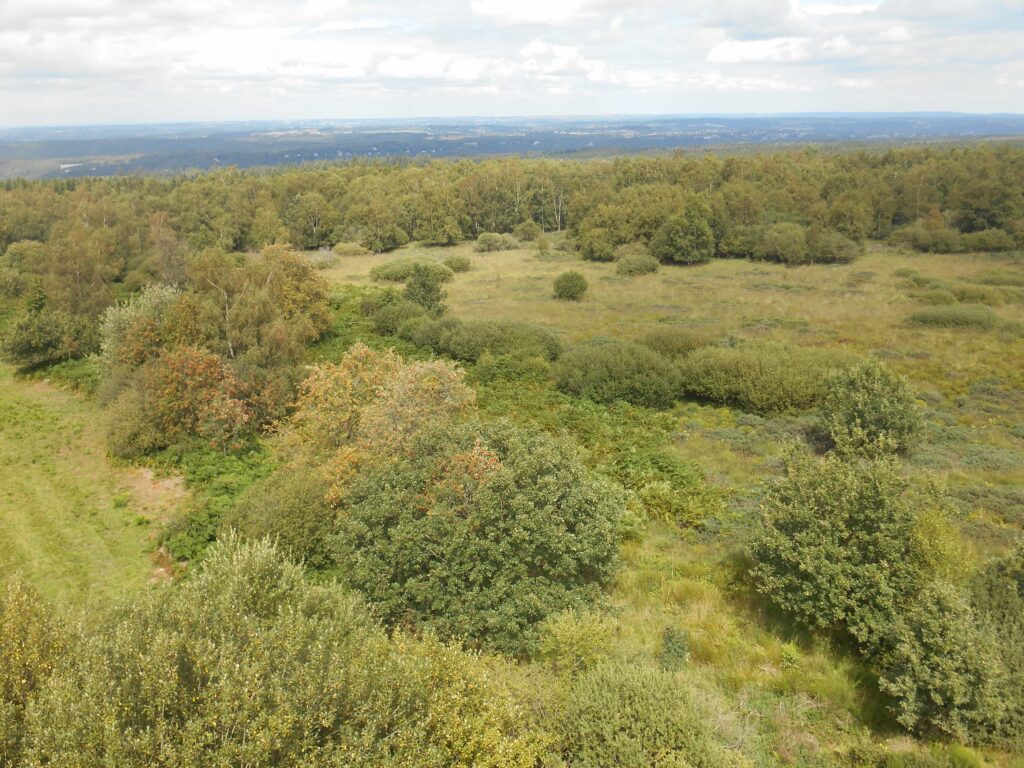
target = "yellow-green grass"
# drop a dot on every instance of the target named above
(71, 523)
(861, 306)
(808, 700)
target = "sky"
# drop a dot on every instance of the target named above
(144, 61)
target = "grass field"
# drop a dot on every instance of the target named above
(71, 524)
(785, 694)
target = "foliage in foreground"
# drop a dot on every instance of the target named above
(248, 663)
(846, 550)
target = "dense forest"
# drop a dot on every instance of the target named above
(411, 524)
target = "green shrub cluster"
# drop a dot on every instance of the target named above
(247, 662)
(570, 286)
(479, 533)
(674, 341)
(635, 262)
(966, 316)
(458, 262)
(46, 336)
(606, 371)
(636, 716)
(400, 270)
(764, 378)
(470, 340)
(527, 231)
(789, 243)
(847, 550)
(489, 242)
(869, 410)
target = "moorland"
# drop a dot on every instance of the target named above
(675, 461)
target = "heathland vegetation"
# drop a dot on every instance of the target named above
(661, 461)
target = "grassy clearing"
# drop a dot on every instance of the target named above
(790, 698)
(70, 522)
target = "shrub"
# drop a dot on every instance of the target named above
(839, 549)
(632, 264)
(596, 244)
(618, 370)
(785, 242)
(12, 283)
(479, 532)
(570, 286)
(574, 641)
(764, 378)
(424, 288)
(247, 661)
(400, 270)
(997, 593)
(528, 231)
(349, 249)
(290, 507)
(392, 316)
(936, 297)
(636, 716)
(489, 242)
(685, 239)
(825, 246)
(971, 316)
(991, 240)
(470, 340)
(978, 294)
(185, 392)
(929, 236)
(44, 337)
(676, 342)
(741, 242)
(133, 332)
(458, 263)
(869, 410)
(941, 668)
(31, 645)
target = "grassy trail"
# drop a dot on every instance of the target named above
(71, 523)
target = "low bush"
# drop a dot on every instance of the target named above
(471, 339)
(932, 237)
(528, 231)
(246, 661)
(990, 240)
(673, 341)
(978, 294)
(841, 547)
(400, 270)
(349, 249)
(740, 242)
(970, 316)
(570, 286)
(942, 668)
(44, 337)
(479, 532)
(632, 264)
(764, 378)
(289, 507)
(489, 242)
(458, 263)
(936, 297)
(826, 246)
(618, 370)
(389, 318)
(869, 410)
(637, 716)
(596, 244)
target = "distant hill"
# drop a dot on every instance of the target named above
(54, 152)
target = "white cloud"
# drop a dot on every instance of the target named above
(747, 51)
(546, 12)
(832, 9)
